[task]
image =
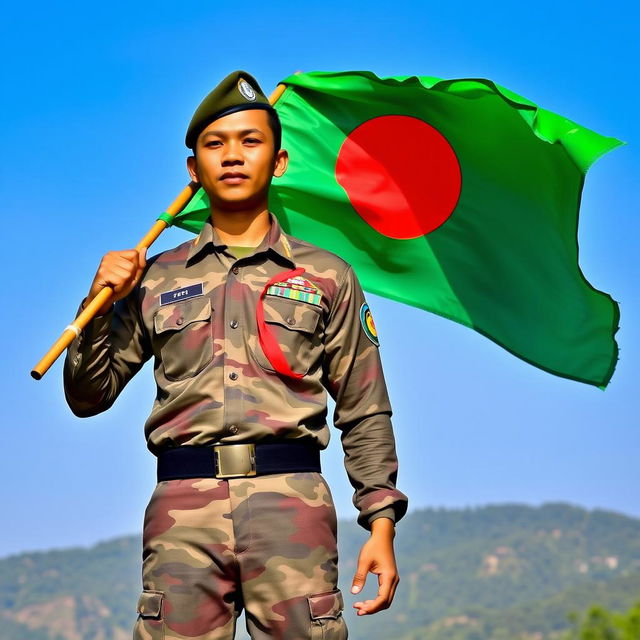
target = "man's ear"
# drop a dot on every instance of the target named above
(281, 163)
(192, 167)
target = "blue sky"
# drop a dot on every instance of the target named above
(97, 100)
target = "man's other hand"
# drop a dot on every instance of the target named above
(377, 557)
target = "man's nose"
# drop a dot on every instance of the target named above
(232, 152)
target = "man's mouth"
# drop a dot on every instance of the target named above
(233, 177)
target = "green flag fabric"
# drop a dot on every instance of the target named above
(459, 197)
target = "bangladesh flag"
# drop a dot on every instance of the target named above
(455, 196)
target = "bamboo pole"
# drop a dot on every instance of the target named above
(73, 330)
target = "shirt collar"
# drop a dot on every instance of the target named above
(275, 240)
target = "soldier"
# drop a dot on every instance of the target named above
(248, 327)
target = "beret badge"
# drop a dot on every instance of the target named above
(246, 90)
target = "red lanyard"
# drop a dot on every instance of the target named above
(268, 341)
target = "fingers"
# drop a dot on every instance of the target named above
(387, 581)
(394, 586)
(359, 577)
(126, 256)
(128, 263)
(120, 270)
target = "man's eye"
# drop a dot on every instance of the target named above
(212, 142)
(252, 140)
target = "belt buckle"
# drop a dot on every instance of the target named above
(235, 460)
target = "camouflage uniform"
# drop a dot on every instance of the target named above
(266, 543)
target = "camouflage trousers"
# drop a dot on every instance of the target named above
(213, 547)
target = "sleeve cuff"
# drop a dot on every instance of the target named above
(389, 512)
(390, 503)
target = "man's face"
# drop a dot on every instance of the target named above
(235, 160)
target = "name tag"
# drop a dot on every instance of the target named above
(185, 293)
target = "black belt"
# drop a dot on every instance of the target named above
(237, 460)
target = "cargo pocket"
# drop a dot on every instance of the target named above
(150, 622)
(327, 622)
(295, 326)
(184, 337)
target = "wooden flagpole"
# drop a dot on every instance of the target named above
(73, 330)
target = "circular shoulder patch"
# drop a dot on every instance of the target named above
(366, 319)
(246, 90)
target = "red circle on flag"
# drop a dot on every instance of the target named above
(401, 175)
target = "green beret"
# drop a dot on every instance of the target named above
(238, 91)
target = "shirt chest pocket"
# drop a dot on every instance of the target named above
(297, 328)
(184, 336)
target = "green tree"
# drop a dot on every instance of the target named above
(600, 624)
(629, 623)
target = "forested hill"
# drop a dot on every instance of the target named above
(487, 573)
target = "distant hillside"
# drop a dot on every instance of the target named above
(486, 573)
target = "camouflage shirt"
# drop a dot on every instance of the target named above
(194, 311)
